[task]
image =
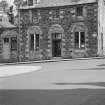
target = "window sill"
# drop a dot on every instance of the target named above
(34, 50)
(80, 50)
(13, 49)
(80, 17)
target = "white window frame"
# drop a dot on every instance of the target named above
(80, 40)
(35, 47)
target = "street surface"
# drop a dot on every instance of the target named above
(16, 70)
(77, 82)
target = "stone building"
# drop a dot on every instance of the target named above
(61, 29)
(8, 39)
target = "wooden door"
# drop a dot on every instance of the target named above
(56, 48)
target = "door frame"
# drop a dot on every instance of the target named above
(52, 45)
(53, 49)
(55, 28)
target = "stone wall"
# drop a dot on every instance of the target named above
(65, 17)
(1, 31)
(13, 54)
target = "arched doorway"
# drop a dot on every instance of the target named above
(56, 33)
(56, 44)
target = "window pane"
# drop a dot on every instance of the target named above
(76, 39)
(82, 39)
(79, 11)
(13, 43)
(37, 41)
(32, 42)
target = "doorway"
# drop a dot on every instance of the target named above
(56, 45)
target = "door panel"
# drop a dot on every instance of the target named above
(56, 48)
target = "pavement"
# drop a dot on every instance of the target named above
(75, 82)
(16, 70)
(51, 60)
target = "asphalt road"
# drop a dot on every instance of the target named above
(80, 82)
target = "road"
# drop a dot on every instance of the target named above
(76, 82)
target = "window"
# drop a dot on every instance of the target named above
(13, 43)
(6, 40)
(56, 13)
(79, 11)
(34, 42)
(79, 40)
(30, 2)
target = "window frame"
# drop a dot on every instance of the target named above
(56, 13)
(30, 3)
(35, 47)
(80, 41)
(79, 13)
(12, 43)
